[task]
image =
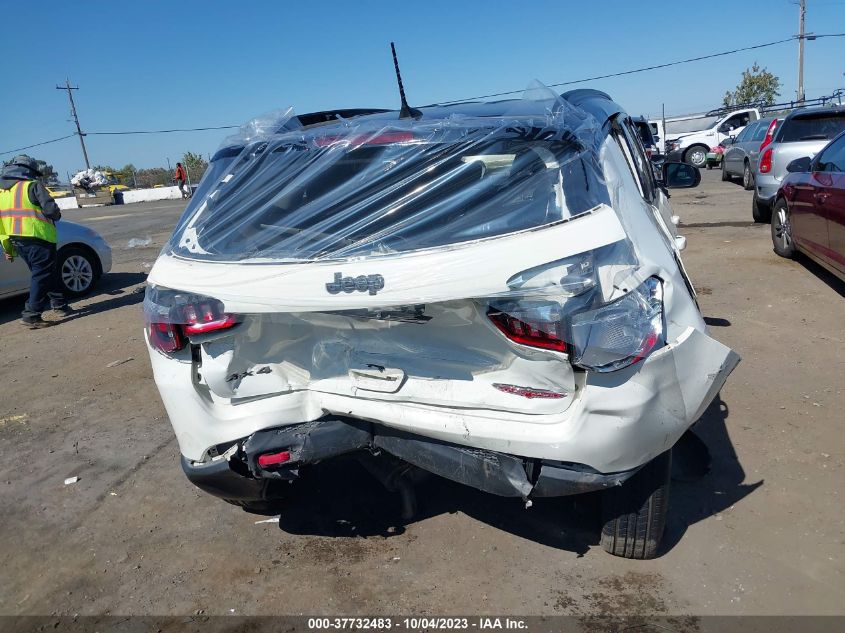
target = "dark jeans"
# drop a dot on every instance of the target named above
(44, 284)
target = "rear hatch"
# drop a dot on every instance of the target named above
(420, 263)
(805, 135)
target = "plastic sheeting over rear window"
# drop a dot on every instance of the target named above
(376, 185)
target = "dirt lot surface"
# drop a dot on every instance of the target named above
(761, 534)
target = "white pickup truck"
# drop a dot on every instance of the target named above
(690, 138)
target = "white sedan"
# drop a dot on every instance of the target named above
(83, 257)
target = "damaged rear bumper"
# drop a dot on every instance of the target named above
(238, 476)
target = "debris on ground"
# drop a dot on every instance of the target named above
(12, 418)
(137, 242)
(115, 363)
(71, 480)
(274, 519)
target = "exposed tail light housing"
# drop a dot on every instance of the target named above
(766, 160)
(601, 339)
(770, 134)
(172, 316)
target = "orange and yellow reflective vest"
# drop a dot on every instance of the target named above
(20, 217)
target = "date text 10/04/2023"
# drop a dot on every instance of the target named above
(416, 623)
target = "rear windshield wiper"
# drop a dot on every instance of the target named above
(814, 137)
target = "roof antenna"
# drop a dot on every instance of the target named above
(407, 111)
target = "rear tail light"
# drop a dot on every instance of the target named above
(533, 324)
(770, 133)
(166, 337)
(172, 316)
(766, 161)
(602, 339)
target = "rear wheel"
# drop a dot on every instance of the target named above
(747, 178)
(634, 514)
(696, 155)
(782, 240)
(79, 269)
(760, 211)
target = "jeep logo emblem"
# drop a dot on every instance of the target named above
(361, 283)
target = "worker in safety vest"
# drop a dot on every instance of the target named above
(28, 216)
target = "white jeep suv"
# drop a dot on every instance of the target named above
(491, 292)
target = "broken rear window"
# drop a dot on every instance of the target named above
(377, 188)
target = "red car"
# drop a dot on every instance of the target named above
(809, 210)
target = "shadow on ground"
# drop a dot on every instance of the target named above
(339, 498)
(695, 499)
(114, 290)
(837, 284)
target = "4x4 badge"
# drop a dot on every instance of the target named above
(361, 283)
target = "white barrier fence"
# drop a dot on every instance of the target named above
(149, 195)
(129, 196)
(68, 202)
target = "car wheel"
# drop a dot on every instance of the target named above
(747, 178)
(760, 211)
(634, 514)
(726, 177)
(696, 156)
(782, 240)
(78, 269)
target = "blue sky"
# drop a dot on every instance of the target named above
(151, 64)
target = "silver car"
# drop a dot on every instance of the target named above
(741, 154)
(804, 132)
(83, 256)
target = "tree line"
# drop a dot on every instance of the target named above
(131, 176)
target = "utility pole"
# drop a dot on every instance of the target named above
(79, 131)
(801, 10)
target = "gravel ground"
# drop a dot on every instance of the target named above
(761, 534)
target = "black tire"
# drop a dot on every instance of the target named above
(79, 270)
(760, 211)
(726, 177)
(782, 240)
(262, 507)
(696, 155)
(747, 177)
(634, 514)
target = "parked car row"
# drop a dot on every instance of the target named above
(795, 165)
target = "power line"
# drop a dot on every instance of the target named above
(19, 149)
(640, 70)
(495, 94)
(192, 129)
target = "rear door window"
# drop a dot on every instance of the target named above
(812, 127)
(746, 133)
(760, 131)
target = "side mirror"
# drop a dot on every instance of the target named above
(680, 176)
(728, 141)
(799, 165)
